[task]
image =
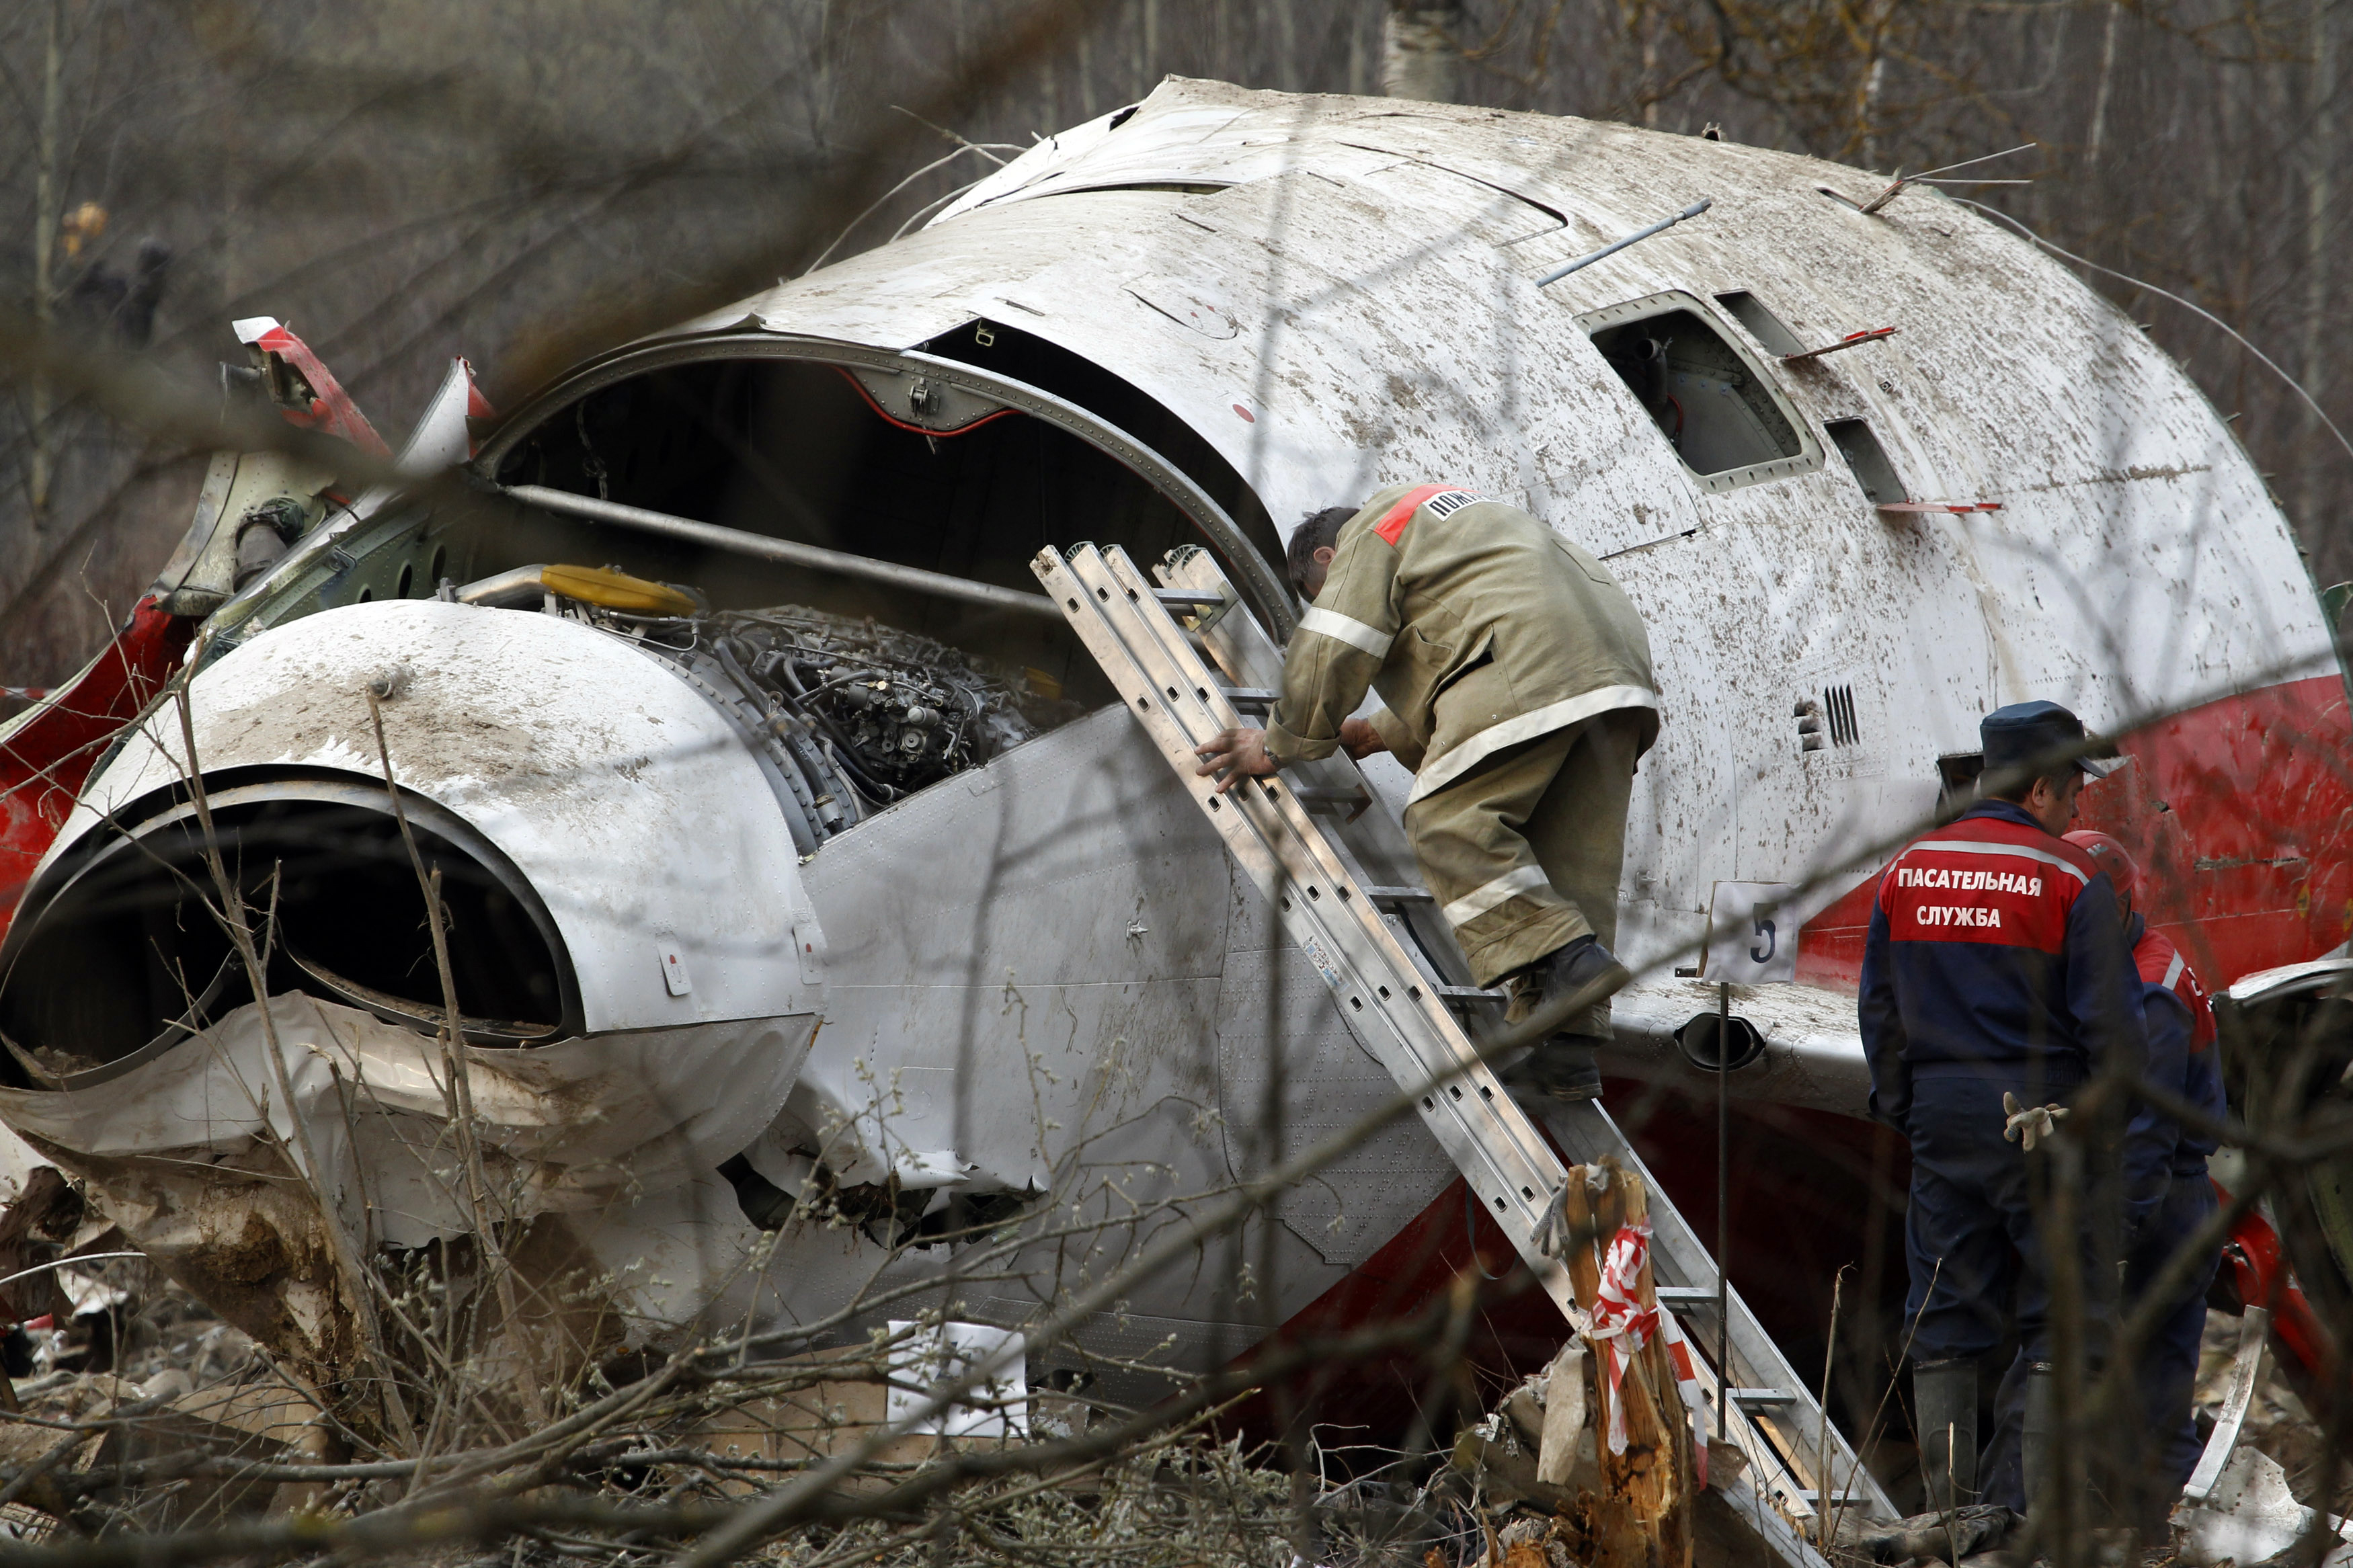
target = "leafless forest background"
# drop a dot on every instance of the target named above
(410, 179)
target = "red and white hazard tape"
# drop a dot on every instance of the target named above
(1678, 1353)
(1621, 1326)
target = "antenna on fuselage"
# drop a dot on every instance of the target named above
(1557, 273)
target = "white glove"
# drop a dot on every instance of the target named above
(2031, 1123)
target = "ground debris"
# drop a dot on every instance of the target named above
(1955, 1538)
(2278, 1422)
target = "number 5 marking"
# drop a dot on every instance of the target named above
(1763, 928)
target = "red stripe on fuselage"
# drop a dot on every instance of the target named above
(2240, 816)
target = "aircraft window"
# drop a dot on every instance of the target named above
(1762, 324)
(1868, 459)
(1957, 783)
(1711, 397)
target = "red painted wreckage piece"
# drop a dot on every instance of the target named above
(2259, 1273)
(48, 756)
(1450, 1269)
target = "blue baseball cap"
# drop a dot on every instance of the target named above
(2024, 732)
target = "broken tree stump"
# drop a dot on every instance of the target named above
(1642, 1517)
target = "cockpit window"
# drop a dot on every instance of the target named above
(1710, 398)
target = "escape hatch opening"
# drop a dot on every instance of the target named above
(1881, 484)
(1713, 400)
(798, 449)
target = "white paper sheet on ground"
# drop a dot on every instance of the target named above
(951, 1351)
(2252, 1517)
(1564, 1413)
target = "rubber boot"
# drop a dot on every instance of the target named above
(1562, 1066)
(1565, 972)
(1944, 1410)
(2034, 1438)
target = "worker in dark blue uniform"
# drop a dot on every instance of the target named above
(1996, 966)
(2170, 1196)
(2183, 1057)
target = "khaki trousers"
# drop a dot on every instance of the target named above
(1524, 853)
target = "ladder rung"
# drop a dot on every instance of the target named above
(1838, 1499)
(1186, 598)
(1252, 700)
(1381, 895)
(1682, 1298)
(1470, 993)
(1314, 797)
(1750, 1398)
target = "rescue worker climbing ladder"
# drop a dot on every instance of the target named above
(1399, 1011)
(1515, 675)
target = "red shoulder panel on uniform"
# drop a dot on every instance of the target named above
(2161, 964)
(1441, 498)
(1984, 880)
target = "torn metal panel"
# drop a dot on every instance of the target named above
(443, 438)
(2252, 1517)
(568, 1127)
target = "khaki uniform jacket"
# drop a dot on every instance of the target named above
(1479, 626)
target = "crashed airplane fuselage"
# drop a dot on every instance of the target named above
(798, 917)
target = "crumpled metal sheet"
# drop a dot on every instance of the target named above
(200, 1158)
(565, 1127)
(2252, 1517)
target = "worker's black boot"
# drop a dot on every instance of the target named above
(1562, 1068)
(1945, 1413)
(1565, 971)
(1562, 1065)
(2035, 1456)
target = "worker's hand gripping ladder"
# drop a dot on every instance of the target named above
(1341, 915)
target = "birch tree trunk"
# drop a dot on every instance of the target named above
(1422, 52)
(2319, 459)
(47, 201)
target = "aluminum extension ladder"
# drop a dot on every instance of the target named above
(1348, 894)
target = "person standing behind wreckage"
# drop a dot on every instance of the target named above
(2170, 1198)
(1996, 976)
(1516, 675)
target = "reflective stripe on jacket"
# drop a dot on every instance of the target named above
(2181, 1037)
(1995, 948)
(1479, 626)
(2160, 963)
